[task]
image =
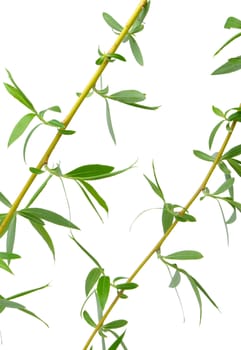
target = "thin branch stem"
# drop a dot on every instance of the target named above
(167, 233)
(70, 115)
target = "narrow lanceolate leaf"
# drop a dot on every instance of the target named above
(11, 304)
(197, 294)
(46, 237)
(109, 122)
(235, 117)
(126, 286)
(185, 255)
(233, 22)
(55, 123)
(27, 141)
(96, 195)
(217, 111)
(89, 319)
(157, 183)
(227, 43)
(17, 93)
(66, 132)
(128, 96)
(167, 217)
(48, 215)
(112, 22)
(136, 51)
(213, 134)
(36, 171)
(9, 256)
(26, 311)
(233, 152)
(86, 172)
(20, 127)
(4, 200)
(116, 343)
(92, 279)
(236, 165)
(103, 289)
(11, 236)
(53, 109)
(203, 156)
(176, 279)
(232, 65)
(225, 186)
(224, 221)
(5, 266)
(115, 324)
(39, 190)
(30, 291)
(155, 188)
(79, 183)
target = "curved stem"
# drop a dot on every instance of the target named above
(167, 233)
(70, 115)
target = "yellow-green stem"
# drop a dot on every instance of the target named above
(167, 233)
(70, 115)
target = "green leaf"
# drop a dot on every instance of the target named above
(9, 256)
(39, 190)
(20, 127)
(96, 195)
(103, 289)
(232, 65)
(126, 286)
(233, 22)
(218, 111)
(213, 134)
(11, 235)
(225, 186)
(33, 315)
(236, 165)
(66, 132)
(116, 343)
(55, 123)
(203, 156)
(157, 183)
(227, 43)
(128, 96)
(223, 167)
(115, 324)
(27, 140)
(44, 234)
(155, 188)
(17, 93)
(235, 117)
(36, 171)
(167, 216)
(233, 203)
(89, 319)
(224, 221)
(92, 279)
(30, 291)
(87, 172)
(109, 122)
(86, 252)
(79, 183)
(5, 266)
(233, 152)
(11, 304)
(185, 255)
(176, 279)
(151, 108)
(115, 56)
(197, 294)
(136, 51)
(48, 215)
(112, 22)
(4, 200)
(31, 217)
(184, 217)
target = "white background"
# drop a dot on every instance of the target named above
(50, 47)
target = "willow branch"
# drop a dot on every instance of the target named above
(167, 233)
(44, 160)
